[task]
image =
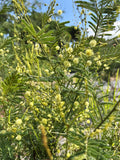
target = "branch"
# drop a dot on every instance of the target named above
(114, 108)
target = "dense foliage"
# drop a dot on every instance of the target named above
(53, 104)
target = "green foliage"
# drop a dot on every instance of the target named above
(103, 14)
(53, 104)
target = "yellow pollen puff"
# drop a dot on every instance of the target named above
(46, 71)
(1, 34)
(44, 121)
(86, 110)
(89, 63)
(71, 129)
(68, 155)
(105, 65)
(49, 20)
(60, 56)
(3, 131)
(59, 12)
(99, 63)
(27, 93)
(18, 121)
(49, 115)
(67, 64)
(62, 104)
(75, 28)
(44, 103)
(75, 80)
(69, 50)
(76, 103)
(86, 104)
(58, 98)
(76, 60)
(89, 52)
(31, 104)
(93, 43)
(58, 151)
(36, 109)
(18, 137)
(88, 121)
(57, 48)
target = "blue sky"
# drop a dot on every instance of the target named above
(69, 8)
(70, 12)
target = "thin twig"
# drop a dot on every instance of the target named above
(114, 108)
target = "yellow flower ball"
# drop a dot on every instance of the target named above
(3, 131)
(58, 151)
(49, 20)
(105, 65)
(62, 104)
(75, 28)
(60, 56)
(76, 103)
(67, 64)
(18, 121)
(75, 80)
(71, 129)
(69, 50)
(59, 12)
(107, 68)
(76, 60)
(89, 63)
(27, 93)
(57, 48)
(46, 71)
(89, 52)
(68, 155)
(18, 137)
(93, 43)
(99, 63)
(86, 104)
(88, 121)
(1, 34)
(31, 104)
(58, 98)
(87, 110)
(44, 121)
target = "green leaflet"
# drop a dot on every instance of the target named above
(6, 42)
(103, 15)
